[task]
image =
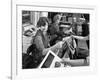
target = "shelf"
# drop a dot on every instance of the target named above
(25, 15)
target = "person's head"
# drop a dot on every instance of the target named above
(43, 23)
(57, 18)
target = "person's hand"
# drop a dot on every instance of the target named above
(72, 36)
(66, 38)
(60, 44)
(64, 61)
(57, 46)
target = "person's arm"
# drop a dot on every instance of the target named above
(81, 37)
(78, 62)
(40, 46)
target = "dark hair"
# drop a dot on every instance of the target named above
(85, 28)
(42, 21)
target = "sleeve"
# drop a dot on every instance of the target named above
(39, 43)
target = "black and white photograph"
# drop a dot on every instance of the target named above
(52, 40)
(55, 39)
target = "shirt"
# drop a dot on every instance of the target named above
(41, 41)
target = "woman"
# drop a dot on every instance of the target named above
(81, 58)
(54, 29)
(40, 44)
